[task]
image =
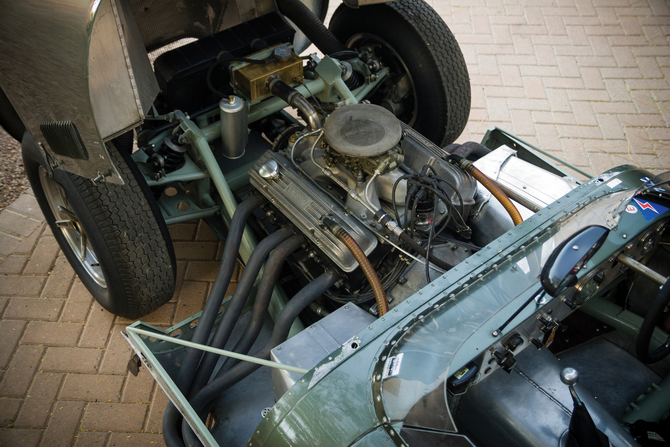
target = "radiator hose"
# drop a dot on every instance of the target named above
(363, 261)
(192, 357)
(236, 305)
(311, 25)
(297, 304)
(489, 184)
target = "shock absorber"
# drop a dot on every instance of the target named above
(168, 158)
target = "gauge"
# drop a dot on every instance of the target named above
(589, 285)
(648, 242)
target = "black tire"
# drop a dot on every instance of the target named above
(426, 49)
(129, 266)
(9, 119)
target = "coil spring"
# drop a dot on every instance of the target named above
(169, 157)
(354, 81)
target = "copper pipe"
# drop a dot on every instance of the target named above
(491, 186)
(363, 261)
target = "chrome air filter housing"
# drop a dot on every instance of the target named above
(362, 130)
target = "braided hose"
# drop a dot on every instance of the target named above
(363, 261)
(490, 185)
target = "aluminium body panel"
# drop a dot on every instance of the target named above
(60, 57)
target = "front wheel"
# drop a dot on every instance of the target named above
(114, 236)
(429, 86)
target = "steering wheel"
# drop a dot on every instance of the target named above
(647, 330)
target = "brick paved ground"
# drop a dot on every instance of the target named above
(586, 80)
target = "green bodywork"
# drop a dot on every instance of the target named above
(343, 406)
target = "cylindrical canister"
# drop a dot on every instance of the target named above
(234, 126)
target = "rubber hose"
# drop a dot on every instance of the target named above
(273, 269)
(236, 304)
(467, 149)
(192, 357)
(406, 238)
(649, 324)
(490, 185)
(311, 25)
(498, 194)
(295, 99)
(363, 261)
(297, 304)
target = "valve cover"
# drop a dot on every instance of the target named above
(305, 205)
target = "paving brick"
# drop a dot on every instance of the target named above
(644, 101)
(21, 285)
(21, 369)
(601, 162)
(558, 100)
(17, 224)
(191, 300)
(78, 303)
(3, 304)
(611, 127)
(163, 316)
(182, 231)
(138, 389)
(27, 205)
(535, 88)
(114, 417)
(617, 90)
(154, 423)
(92, 387)
(38, 402)
(522, 122)
(179, 279)
(588, 95)
(646, 121)
(63, 424)
(43, 256)
(656, 50)
(510, 75)
(8, 411)
(33, 308)
(607, 16)
(568, 67)
(649, 67)
(195, 251)
(136, 440)
(205, 233)
(28, 244)
(584, 113)
(97, 328)
(498, 109)
(117, 353)
(71, 359)
(8, 243)
(529, 104)
(22, 438)
(579, 131)
(488, 65)
(10, 334)
(553, 117)
(52, 333)
(90, 439)
(647, 84)
(60, 279)
(13, 264)
(202, 271)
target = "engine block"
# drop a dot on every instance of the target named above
(305, 206)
